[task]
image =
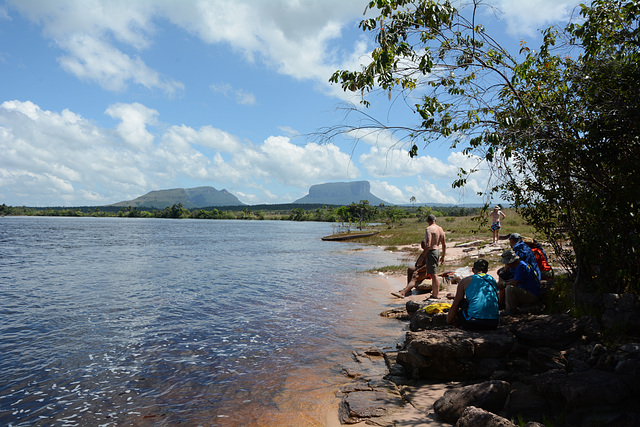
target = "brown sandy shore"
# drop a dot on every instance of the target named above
(419, 412)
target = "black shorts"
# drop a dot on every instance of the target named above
(471, 323)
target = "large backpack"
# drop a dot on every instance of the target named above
(541, 257)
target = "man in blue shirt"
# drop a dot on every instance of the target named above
(521, 290)
(524, 252)
(475, 305)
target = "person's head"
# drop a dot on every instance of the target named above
(431, 219)
(509, 258)
(496, 208)
(481, 266)
(514, 238)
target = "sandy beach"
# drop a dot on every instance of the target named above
(419, 411)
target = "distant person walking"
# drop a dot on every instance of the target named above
(434, 239)
(496, 218)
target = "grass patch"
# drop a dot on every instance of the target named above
(410, 231)
(389, 269)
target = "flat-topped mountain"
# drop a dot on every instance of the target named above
(190, 198)
(341, 193)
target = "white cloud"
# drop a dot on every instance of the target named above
(55, 157)
(240, 96)
(397, 163)
(388, 192)
(427, 192)
(134, 119)
(290, 36)
(526, 17)
(300, 166)
(92, 59)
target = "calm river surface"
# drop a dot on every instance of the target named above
(113, 321)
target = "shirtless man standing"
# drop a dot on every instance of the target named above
(433, 239)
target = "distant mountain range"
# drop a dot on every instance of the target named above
(333, 193)
(340, 193)
(190, 198)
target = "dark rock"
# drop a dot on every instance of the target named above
(396, 313)
(490, 395)
(542, 359)
(452, 353)
(593, 388)
(629, 371)
(527, 404)
(627, 302)
(556, 331)
(413, 306)
(474, 417)
(422, 320)
(591, 328)
(610, 301)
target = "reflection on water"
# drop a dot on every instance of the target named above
(154, 322)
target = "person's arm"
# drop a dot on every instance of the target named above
(455, 305)
(502, 215)
(444, 249)
(421, 259)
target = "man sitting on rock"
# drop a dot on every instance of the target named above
(523, 289)
(525, 254)
(475, 305)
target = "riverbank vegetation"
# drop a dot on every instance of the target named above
(355, 215)
(557, 127)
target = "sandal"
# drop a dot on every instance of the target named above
(397, 294)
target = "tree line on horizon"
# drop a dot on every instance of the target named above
(353, 213)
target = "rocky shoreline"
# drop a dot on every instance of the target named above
(535, 369)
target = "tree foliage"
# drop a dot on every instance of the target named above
(557, 126)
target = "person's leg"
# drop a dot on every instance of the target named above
(410, 272)
(517, 297)
(417, 275)
(435, 285)
(433, 258)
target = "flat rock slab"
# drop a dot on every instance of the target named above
(455, 354)
(363, 404)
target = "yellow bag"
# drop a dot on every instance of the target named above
(440, 307)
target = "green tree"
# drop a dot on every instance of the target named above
(558, 127)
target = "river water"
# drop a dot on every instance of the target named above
(113, 321)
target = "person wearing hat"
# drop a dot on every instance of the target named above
(521, 290)
(524, 252)
(496, 217)
(475, 305)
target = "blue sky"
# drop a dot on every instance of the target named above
(103, 101)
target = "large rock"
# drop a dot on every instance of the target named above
(422, 320)
(557, 331)
(542, 359)
(474, 417)
(490, 395)
(527, 404)
(594, 388)
(454, 354)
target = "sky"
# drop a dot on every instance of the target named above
(105, 100)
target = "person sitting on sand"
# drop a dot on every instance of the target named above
(434, 238)
(523, 289)
(496, 217)
(475, 305)
(418, 273)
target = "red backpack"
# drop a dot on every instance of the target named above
(541, 258)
